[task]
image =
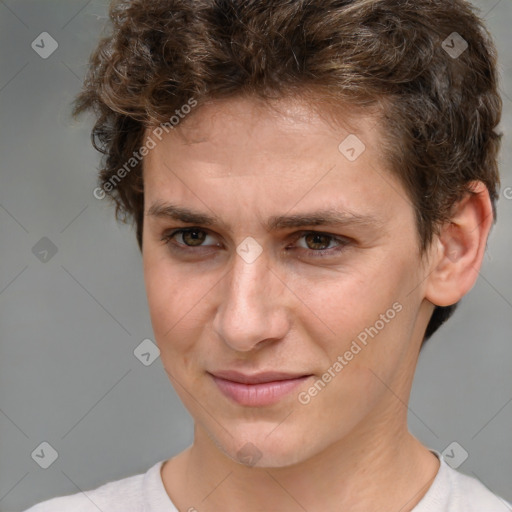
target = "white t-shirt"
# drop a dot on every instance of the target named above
(451, 491)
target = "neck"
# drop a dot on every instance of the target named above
(359, 473)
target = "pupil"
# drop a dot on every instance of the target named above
(194, 237)
(315, 240)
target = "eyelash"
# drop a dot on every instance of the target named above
(319, 253)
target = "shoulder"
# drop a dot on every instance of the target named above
(125, 495)
(471, 495)
(453, 491)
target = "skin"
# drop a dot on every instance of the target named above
(289, 310)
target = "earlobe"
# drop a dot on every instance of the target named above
(460, 247)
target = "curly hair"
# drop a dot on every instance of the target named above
(439, 107)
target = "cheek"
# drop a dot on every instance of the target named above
(368, 303)
(178, 302)
(165, 294)
(340, 303)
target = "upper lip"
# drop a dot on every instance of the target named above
(256, 378)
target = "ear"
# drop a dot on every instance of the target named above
(458, 250)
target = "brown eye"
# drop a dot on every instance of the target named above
(193, 237)
(190, 238)
(317, 241)
(308, 243)
(319, 245)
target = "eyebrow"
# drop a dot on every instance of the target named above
(322, 217)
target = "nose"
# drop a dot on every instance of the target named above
(252, 310)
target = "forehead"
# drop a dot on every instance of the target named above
(226, 122)
(263, 156)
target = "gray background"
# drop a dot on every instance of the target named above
(69, 326)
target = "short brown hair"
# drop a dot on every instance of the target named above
(440, 113)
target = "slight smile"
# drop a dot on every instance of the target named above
(257, 390)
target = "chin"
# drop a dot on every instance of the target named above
(256, 448)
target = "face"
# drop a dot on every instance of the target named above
(283, 278)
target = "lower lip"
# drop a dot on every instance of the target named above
(254, 395)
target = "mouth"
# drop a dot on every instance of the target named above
(257, 390)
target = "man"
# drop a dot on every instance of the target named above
(313, 185)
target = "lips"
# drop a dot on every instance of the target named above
(257, 378)
(261, 389)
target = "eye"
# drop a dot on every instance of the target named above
(317, 244)
(191, 237)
